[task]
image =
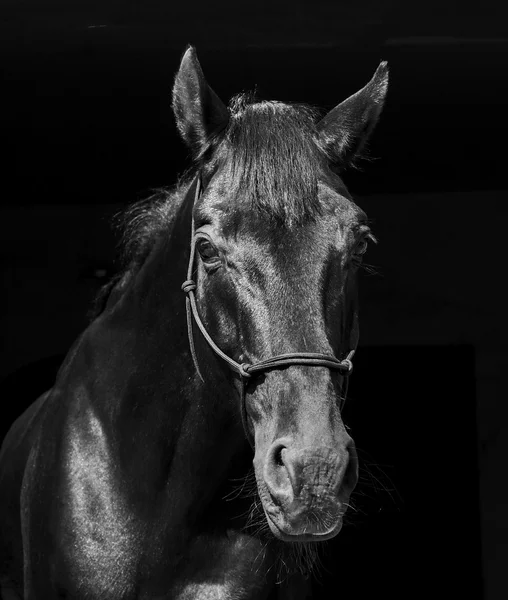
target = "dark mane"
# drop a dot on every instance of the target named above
(271, 152)
(139, 226)
(141, 223)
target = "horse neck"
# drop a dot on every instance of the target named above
(168, 433)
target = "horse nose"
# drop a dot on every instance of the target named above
(293, 474)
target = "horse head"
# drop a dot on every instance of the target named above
(278, 244)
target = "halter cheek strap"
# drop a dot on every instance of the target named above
(247, 370)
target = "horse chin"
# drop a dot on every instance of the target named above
(283, 531)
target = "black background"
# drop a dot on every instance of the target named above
(86, 129)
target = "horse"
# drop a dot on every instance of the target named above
(192, 445)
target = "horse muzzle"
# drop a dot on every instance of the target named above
(305, 491)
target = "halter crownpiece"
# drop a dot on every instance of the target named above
(247, 370)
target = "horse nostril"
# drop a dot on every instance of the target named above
(277, 456)
(276, 474)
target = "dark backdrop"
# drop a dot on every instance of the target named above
(86, 129)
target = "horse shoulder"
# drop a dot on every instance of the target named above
(78, 528)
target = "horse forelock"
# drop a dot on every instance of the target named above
(272, 159)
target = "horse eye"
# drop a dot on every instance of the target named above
(207, 250)
(361, 247)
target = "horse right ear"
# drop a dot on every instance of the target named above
(198, 110)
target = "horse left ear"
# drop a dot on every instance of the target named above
(345, 129)
(198, 110)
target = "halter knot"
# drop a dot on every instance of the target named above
(242, 369)
(188, 286)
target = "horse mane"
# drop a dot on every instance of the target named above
(139, 226)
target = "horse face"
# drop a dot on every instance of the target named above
(279, 242)
(267, 290)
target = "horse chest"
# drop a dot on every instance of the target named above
(231, 567)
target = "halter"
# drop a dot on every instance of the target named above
(247, 370)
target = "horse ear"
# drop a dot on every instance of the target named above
(345, 129)
(198, 110)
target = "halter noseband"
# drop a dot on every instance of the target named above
(247, 370)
